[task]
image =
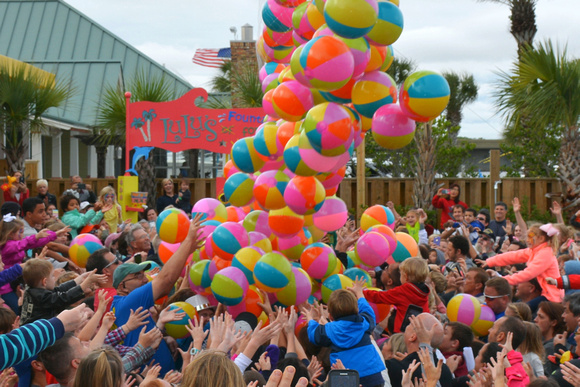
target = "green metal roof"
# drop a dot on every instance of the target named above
(55, 37)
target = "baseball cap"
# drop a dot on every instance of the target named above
(84, 205)
(128, 268)
(488, 232)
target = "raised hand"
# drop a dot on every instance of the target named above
(516, 205)
(150, 339)
(408, 375)
(358, 286)
(195, 329)
(168, 315)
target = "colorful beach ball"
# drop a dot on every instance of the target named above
(327, 62)
(268, 106)
(266, 142)
(245, 157)
(313, 159)
(378, 54)
(177, 328)
(270, 68)
(228, 238)
(238, 189)
(199, 279)
(355, 272)
(306, 19)
(328, 128)
(298, 289)
(318, 260)
(279, 54)
(332, 215)
(166, 250)
(331, 180)
(304, 195)
(351, 19)
(389, 25)
(277, 17)
(285, 223)
(424, 95)
(392, 129)
(210, 209)
(485, 321)
(388, 233)
(406, 247)
(261, 241)
(373, 90)
(293, 158)
(257, 221)
(274, 38)
(389, 58)
(464, 308)
(229, 286)
(373, 249)
(361, 53)
(269, 189)
(292, 100)
(229, 169)
(294, 246)
(334, 282)
(82, 246)
(272, 272)
(172, 225)
(377, 214)
(250, 304)
(245, 260)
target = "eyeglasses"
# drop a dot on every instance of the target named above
(116, 261)
(483, 239)
(139, 276)
(481, 219)
(494, 297)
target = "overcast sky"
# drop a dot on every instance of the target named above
(459, 35)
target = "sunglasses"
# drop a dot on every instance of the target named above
(494, 297)
(116, 261)
(481, 219)
(484, 239)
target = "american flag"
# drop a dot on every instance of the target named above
(212, 57)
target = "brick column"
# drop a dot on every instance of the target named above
(244, 60)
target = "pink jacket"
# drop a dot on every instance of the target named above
(516, 374)
(541, 263)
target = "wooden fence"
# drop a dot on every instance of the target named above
(475, 192)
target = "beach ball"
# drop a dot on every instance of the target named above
(261, 241)
(373, 249)
(378, 55)
(286, 130)
(210, 209)
(257, 221)
(166, 250)
(424, 95)
(279, 54)
(176, 328)
(235, 214)
(318, 260)
(292, 100)
(268, 106)
(293, 158)
(266, 142)
(328, 63)
(245, 260)
(313, 159)
(389, 25)
(285, 76)
(285, 223)
(342, 95)
(486, 319)
(199, 279)
(306, 19)
(377, 214)
(332, 283)
(245, 156)
(332, 215)
(274, 38)
(270, 82)
(238, 189)
(373, 90)
(229, 286)
(209, 226)
(328, 128)
(229, 169)
(228, 238)
(294, 246)
(270, 68)
(355, 272)
(351, 19)
(277, 17)
(269, 189)
(82, 246)
(392, 129)
(320, 5)
(250, 303)
(331, 180)
(304, 195)
(272, 272)
(172, 225)
(297, 66)
(353, 259)
(216, 264)
(298, 289)
(389, 58)
(464, 308)
(388, 233)
(361, 53)
(406, 247)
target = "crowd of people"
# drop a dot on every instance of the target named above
(105, 324)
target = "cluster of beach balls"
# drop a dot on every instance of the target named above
(468, 310)
(325, 68)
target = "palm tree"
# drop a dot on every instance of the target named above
(111, 121)
(222, 83)
(25, 95)
(463, 91)
(544, 90)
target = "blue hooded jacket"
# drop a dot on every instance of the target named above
(349, 338)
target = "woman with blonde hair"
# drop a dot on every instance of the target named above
(169, 197)
(113, 217)
(201, 372)
(540, 260)
(103, 367)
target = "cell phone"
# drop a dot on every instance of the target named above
(137, 258)
(55, 213)
(81, 186)
(456, 225)
(412, 310)
(21, 180)
(343, 378)
(459, 271)
(437, 241)
(445, 192)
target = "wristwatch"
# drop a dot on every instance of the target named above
(194, 351)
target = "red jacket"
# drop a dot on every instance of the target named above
(571, 281)
(447, 206)
(401, 297)
(23, 196)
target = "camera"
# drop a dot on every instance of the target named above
(81, 186)
(445, 192)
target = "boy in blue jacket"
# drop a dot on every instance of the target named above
(348, 334)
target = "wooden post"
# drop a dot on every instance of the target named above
(361, 191)
(494, 170)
